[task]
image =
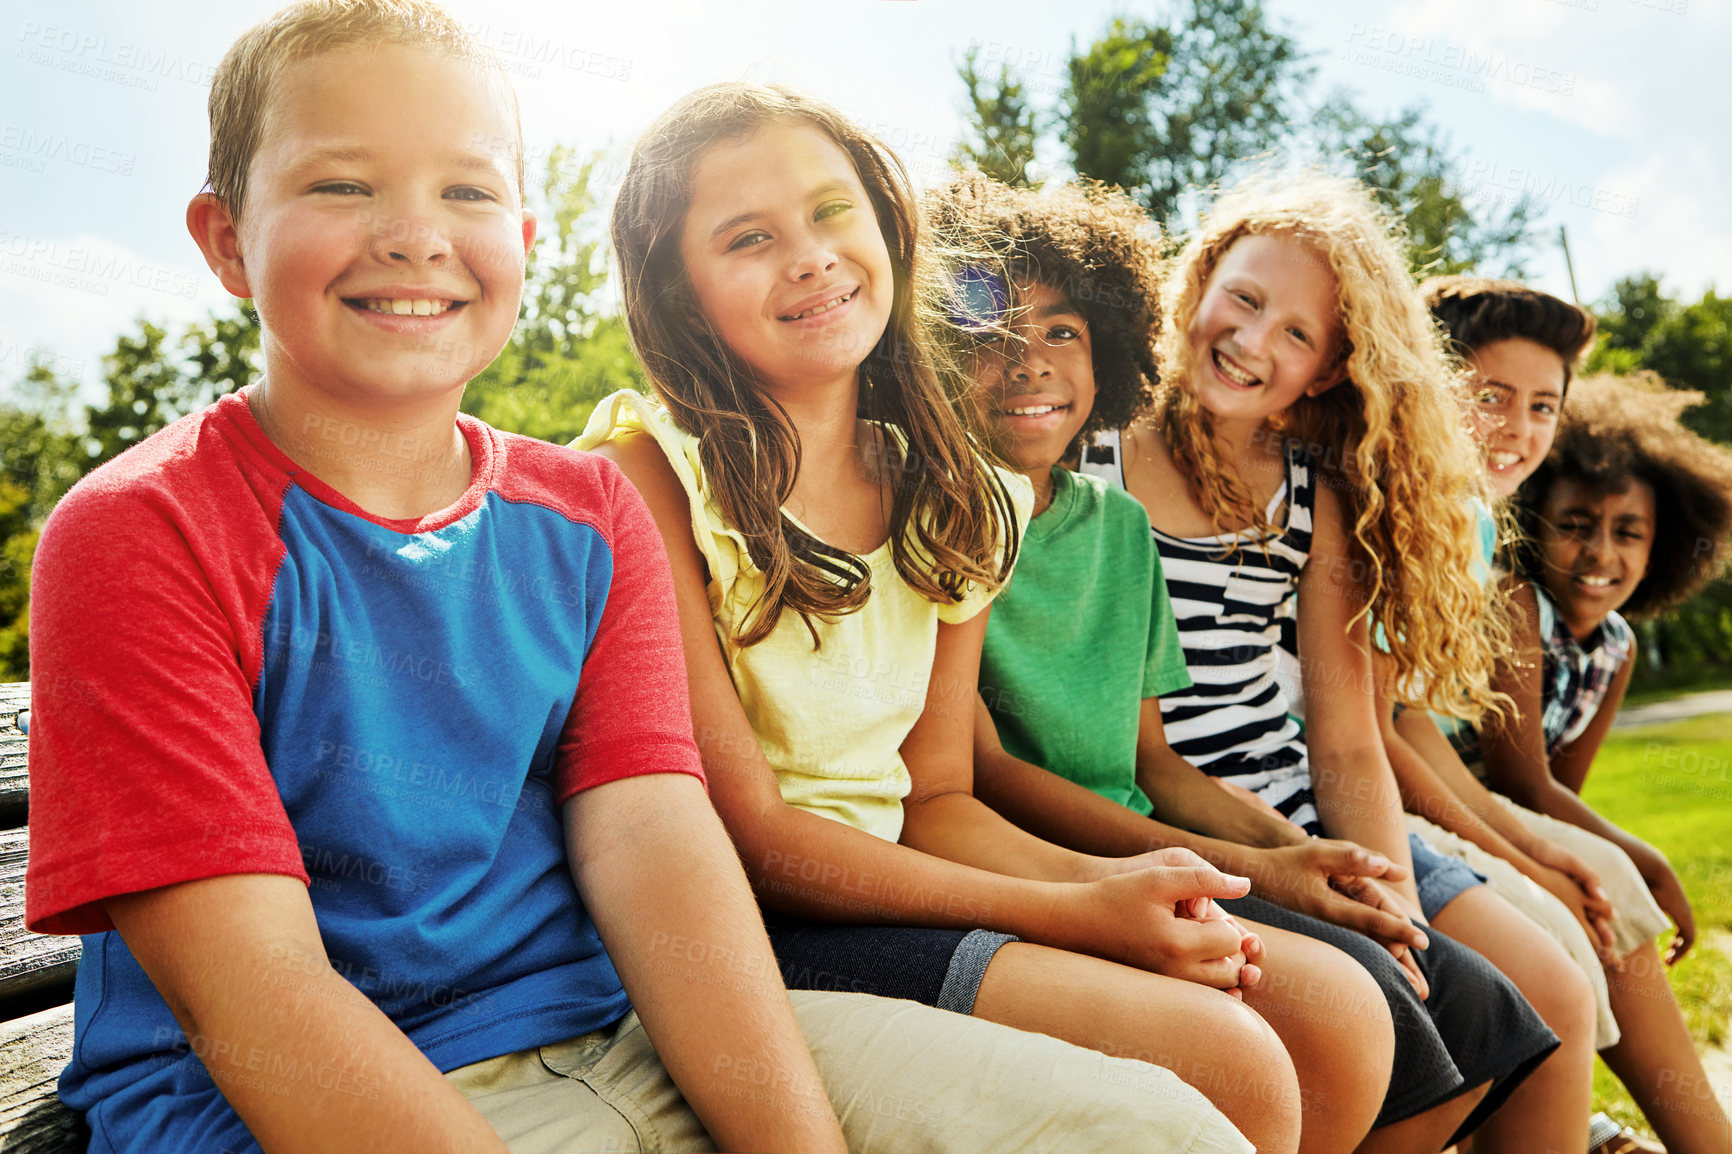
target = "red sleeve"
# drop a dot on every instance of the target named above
(633, 713)
(145, 764)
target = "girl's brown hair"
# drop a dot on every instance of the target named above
(951, 521)
(1394, 434)
(1478, 311)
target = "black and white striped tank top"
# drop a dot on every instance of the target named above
(1234, 610)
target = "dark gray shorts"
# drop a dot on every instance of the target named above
(939, 968)
(1474, 1029)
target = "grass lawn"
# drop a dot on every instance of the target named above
(1672, 786)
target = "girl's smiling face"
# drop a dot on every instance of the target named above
(1518, 388)
(1594, 548)
(1265, 332)
(785, 255)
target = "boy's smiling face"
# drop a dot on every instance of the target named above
(1040, 386)
(384, 238)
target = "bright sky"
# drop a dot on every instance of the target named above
(1605, 109)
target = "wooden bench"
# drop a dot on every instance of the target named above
(35, 975)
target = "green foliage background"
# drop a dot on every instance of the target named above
(1167, 109)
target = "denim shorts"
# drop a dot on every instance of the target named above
(935, 967)
(1440, 879)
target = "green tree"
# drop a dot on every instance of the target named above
(41, 461)
(1227, 95)
(1637, 305)
(1108, 126)
(1408, 162)
(155, 378)
(1000, 123)
(570, 348)
(1689, 345)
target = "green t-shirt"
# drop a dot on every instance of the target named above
(1081, 635)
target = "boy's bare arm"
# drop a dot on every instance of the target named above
(305, 1059)
(1184, 795)
(670, 900)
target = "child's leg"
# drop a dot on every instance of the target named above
(1549, 1111)
(1212, 1041)
(903, 1078)
(1474, 1036)
(1657, 1061)
(1534, 902)
(1336, 1026)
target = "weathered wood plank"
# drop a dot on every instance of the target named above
(33, 1051)
(14, 783)
(34, 970)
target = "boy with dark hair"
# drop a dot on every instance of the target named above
(377, 799)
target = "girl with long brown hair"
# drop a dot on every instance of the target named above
(836, 536)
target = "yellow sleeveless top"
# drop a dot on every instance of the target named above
(831, 722)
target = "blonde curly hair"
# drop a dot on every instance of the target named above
(1395, 434)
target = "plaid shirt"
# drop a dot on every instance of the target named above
(1576, 674)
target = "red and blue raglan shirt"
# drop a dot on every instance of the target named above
(236, 670)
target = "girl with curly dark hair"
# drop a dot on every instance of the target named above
(1630, 513)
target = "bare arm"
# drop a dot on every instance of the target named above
(1426, 788)
(671, 903)
(1516, 765)
(1426, 792)
(801, 863)
(1357, 798)
(306, 1059)
(1302, 874)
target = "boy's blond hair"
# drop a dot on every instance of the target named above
(242, 89)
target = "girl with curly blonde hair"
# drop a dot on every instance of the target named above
(1310, 438)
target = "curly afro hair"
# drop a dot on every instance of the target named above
(1089, 241)
(1478, 311)
(1617, 429)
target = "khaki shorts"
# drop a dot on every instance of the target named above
(903, 1078)
(1637, 918)
(1539, 906)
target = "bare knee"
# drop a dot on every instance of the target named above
(1564, 999)
(1246, 1072)
(1335, 1021)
